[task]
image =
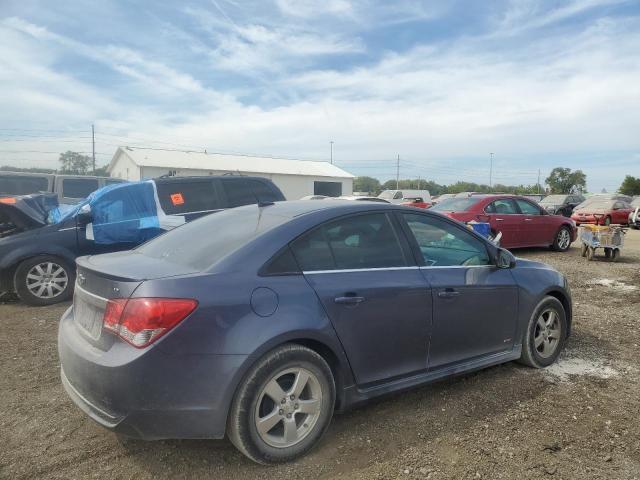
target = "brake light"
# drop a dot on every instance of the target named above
(8, 200)
(141, 321)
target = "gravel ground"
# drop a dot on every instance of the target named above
(576, 420)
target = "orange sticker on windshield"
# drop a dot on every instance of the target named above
(8, 200)
(176, 199)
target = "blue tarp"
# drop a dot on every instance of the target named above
(122, 213)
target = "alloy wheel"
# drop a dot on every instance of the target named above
(47, 280)
(547, 333)
(288, 407)
(564, 239)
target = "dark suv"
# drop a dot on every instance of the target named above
(37, 258)
(561, 204)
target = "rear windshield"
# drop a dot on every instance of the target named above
(23, 185)
(455, 204)
(201, 243)
(554, 199)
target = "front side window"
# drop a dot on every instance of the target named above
(239, 193)
(22, 185)
(78, 187)
(504, 207)
(443, 244)
(397, 196)
(528, 208)
(357, 242)
(262, 192)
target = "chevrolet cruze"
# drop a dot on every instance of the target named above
(259, 322)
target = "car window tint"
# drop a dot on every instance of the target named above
(397, 196)
(528, 208)
(443, 244)
(283, 263)
(23, 185)
(312, 251)
(186, 196)
(362, 241)
(504, 207)
(263, 192)
(238, 192)
(78, 187)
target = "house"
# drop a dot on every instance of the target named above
(296, 178)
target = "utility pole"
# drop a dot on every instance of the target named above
(538, 181)
(491, 170)
(331, 146)
(398, 173)
(93, 147)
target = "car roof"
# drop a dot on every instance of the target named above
(296, 208)
(201, 178)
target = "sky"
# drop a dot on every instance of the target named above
(441, 84)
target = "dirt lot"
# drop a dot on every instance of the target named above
(577, 420)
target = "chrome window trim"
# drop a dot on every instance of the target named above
(353, 270)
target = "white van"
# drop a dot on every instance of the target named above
(402, 196)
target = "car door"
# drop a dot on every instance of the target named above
(505, 217)
(535, 228)
(620, 213)
(364, 274)
(475, 303)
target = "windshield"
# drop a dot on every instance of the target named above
(203, 242)
(455, 204)
(387, 194)
(635, 202)
(554, 199)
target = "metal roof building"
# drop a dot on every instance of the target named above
(296, 178)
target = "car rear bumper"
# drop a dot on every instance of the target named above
(147, 394)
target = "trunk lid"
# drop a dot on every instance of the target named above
(112, 275)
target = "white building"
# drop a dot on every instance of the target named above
(296, 178)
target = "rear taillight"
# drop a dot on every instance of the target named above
(141, 321)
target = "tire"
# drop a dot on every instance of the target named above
(615, 254)
(562, 240)
(607, 253)
(284, 366)
(583, 250)
(54, 271)
(532, 356)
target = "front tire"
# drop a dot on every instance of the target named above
(546, 334)
(283, 405)
(44, 280)
(562, 240)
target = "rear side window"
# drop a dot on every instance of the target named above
(238, 192)
(23, 185)
(504, 207)
(528, 208)
(357, 242)
(264, 192)
(78, 187)
(187, 196)
(283, 263)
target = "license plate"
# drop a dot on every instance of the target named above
(87, 316)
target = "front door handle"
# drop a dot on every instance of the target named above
(348, 300)
(527, 219)
(448, 293)
(499, 219)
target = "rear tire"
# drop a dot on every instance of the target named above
(44, 280)
(546, 334)
(254, 404)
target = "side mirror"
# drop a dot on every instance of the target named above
(84, 217)
(504, 259)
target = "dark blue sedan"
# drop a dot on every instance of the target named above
(260, 321)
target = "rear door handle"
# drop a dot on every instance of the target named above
(448, 293)
(349, 300)
(499, 219)
(527, 219)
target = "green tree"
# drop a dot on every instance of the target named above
(367, 184)
(563, 180)
(9, 168)
(74, 163)
(630, 186)
(101, 171)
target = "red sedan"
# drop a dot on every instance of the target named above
(523, 223)
(602, 211)
(417, 202)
